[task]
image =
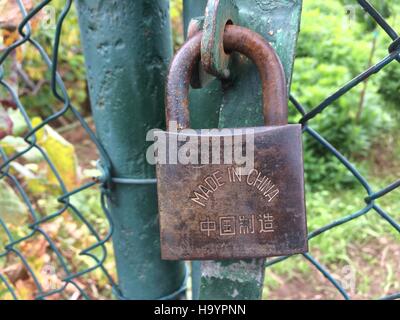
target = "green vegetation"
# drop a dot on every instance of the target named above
(362, 125)
(355, 122)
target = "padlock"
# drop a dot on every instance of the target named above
(221, 210)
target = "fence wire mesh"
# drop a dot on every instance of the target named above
(370, 195)
(96, 252)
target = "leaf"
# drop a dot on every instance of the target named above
(12, 144)
(12, 208)
(61, 153)
(19, 124)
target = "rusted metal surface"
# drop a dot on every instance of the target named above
(200, 78)
(179, 76)
(209, 211)
(218, 14)
(239, 105)
(243, 41)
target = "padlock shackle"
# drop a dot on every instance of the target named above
(246, 42)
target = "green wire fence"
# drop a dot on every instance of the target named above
(97, 251)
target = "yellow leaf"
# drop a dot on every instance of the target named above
(61, 153)
(12, 208)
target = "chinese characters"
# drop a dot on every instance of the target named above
(238, 225)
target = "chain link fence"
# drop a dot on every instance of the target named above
(370, 195)
(71, 277)
(96, 252)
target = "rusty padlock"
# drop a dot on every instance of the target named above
(216, 210)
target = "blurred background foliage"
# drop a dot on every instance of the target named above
(338, 40)
(336, 43)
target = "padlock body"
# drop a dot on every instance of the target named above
(214, 211)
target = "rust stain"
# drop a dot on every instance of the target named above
(210, 212)
(241, 40)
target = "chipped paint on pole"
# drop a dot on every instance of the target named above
(240, 106)
(127, 46)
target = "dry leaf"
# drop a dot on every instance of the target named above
(11, 15)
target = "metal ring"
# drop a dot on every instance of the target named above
(242, 40)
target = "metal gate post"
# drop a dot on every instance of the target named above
(240, 106)
(127, 46)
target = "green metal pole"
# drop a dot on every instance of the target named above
(204, 111)
(127, 46)
(240, 106)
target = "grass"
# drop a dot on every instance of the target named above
(360, 246)
(362, 254)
